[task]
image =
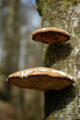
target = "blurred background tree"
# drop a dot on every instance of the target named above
(18, 19)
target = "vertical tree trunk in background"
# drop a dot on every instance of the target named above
(64, 104)
(4, 10)
(11, 48)
(12, 37)
(0, 14)
(11, 40)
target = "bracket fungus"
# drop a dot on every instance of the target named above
(40, 78)
(50, 35)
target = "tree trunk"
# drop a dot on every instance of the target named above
(65, 14)
(11, 42)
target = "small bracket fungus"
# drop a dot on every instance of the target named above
(50, 35)
(40, 78)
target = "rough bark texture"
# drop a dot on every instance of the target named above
(65, 104)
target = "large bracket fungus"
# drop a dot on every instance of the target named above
(50, 35)
(40, 78)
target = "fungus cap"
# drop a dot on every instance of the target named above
(40, 78)
(50, 35)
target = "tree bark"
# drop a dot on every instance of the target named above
(65, 14)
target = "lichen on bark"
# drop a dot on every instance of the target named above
(63, 14)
